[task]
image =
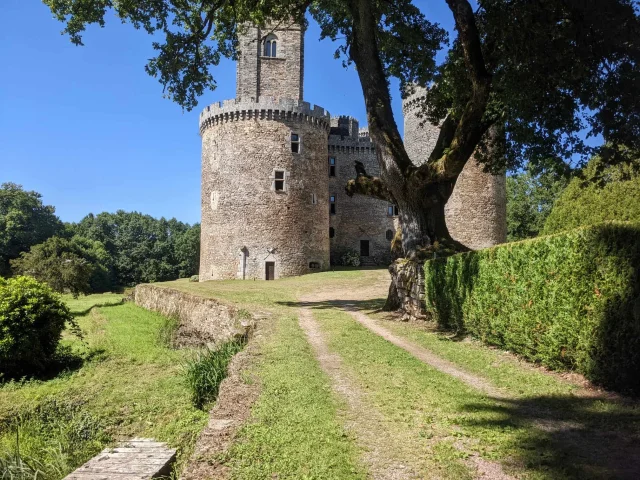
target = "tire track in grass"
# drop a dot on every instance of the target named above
(363, 420)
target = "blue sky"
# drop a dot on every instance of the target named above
(88, 128)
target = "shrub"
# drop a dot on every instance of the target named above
(194, 278)
(205, 372)
(600, 194)
(568, 301)
(32, 318)
(350, 258)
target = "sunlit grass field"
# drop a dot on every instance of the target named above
(122, 381)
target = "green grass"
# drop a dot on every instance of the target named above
(295, 431)
(206, 370)
(129, 383)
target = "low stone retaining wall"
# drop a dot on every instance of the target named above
(408, 278)
(203, 321)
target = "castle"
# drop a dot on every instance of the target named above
(274, 170)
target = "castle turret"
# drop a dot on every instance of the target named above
(271, 62)
(265, 191)
(477, 209)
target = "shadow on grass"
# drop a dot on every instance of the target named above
(65, 361)
(566, 436)
(86, 311)
(596, 437)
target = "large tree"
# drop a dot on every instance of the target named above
(24, 221)
(523, 82)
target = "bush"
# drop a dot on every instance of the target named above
(205, 372)
(194, 278)
(600, 194)
(350, 258)
(32, 318)
(568, 301)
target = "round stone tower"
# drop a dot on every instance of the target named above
(476, 212)
(265, 189)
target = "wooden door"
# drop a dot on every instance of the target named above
(270, 271)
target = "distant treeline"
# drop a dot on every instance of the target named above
(99, 253)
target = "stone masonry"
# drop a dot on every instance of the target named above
(359, 218)
(274, 170)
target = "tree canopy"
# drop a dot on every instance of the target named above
(530, 199)
(78, 265)
(142, 248)
(24, 221)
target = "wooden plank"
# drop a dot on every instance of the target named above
(136, 459)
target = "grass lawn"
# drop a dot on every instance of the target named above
(295, 431)
(547, 430)
(124, 382)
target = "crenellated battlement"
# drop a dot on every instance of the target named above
(358, 145)
(415, 100)
(264, 108)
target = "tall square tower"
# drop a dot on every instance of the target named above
(271, 62)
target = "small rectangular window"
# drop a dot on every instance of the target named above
(314, 199)
(332, 166)
(332, 205)
(392, 211)
(278, 180)
(295, 143)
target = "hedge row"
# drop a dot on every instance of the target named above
(568, 301)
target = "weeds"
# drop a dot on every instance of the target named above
(168, 331)
(207, 369)
(48, 441)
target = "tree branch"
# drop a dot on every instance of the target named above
(370, 186)
(470, 127)
(365, 53)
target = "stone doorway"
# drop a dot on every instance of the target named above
(364, 248)
(270, 270)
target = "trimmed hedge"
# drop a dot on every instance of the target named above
(568, 301)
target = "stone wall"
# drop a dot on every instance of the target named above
(245, 221)
(202, 321)
(476, 212)
(359, 217)
(280, 76)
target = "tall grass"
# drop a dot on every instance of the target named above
(206, 370)
(49, 441)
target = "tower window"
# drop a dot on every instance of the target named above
(314, 265)
(332, 204)
(389, 235)
(392, 211)
(332, 166)
(279, 180)
(295, 143)
(270, 46)
(314, 199)
(332, 232)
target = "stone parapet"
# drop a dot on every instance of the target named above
(264, 108)
(358, 145)
(202, 321)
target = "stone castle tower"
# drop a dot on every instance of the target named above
(476, 212)
(264, 180)
(274, 170)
